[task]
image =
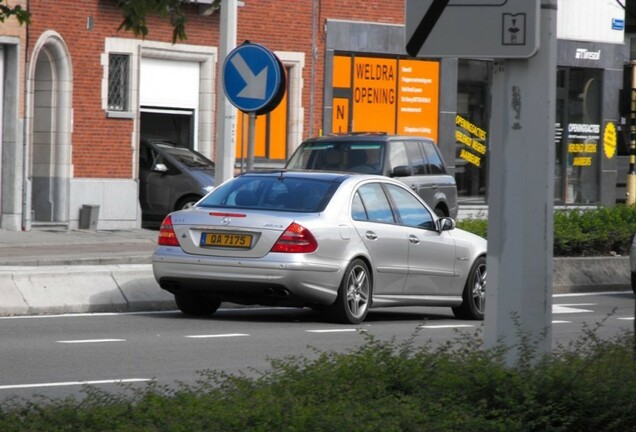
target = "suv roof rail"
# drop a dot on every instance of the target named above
(357, 133)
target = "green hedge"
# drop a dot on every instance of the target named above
(594, 232)
(380, 386)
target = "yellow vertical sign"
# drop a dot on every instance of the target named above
(374, 94)
(418, 98)
(340, 115)
(341, 77)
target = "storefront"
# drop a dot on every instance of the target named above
(589, 79)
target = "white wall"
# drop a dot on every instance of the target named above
(590, 20)
(118, 201)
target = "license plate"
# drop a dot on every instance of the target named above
(229, 240)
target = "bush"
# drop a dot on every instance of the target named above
(380, 386)
(596, 232)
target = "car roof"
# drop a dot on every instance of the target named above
(366, 136)
(151, 139)
(318, 175)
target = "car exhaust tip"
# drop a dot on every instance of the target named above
(276, 292)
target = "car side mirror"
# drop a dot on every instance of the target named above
(160, 168)
(446, 224)
(402, 171)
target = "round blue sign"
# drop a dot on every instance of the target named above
(253, 78)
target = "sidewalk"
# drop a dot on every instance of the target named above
(58, 246)
(53, 270)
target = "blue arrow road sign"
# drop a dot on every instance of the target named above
(253, 78)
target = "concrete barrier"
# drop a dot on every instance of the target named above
(590, 274)
(78, 289)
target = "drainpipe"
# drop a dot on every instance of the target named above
(26, 181)
(314, 53)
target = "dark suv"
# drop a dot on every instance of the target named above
(415, 161)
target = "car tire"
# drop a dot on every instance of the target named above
(187, 202)
(354, 295)
(439, 212)
(196, 305)
(474, 295)
(634, 282)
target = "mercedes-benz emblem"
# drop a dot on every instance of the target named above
(226, 220)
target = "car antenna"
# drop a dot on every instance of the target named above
(280, 177)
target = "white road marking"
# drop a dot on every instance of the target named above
(561, 322)
(445, 326)
(90, 341)
(627, 318)
(332, 331)
(217, 335)
(74, 383)
(589, 294)
(576, 304)
(559, 309)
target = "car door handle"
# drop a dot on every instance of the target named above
(413, 239)
(371, 235)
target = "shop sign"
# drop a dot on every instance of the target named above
(473, 139)
(609, 140)
(585, 54)
(396, 96)
(583, 141)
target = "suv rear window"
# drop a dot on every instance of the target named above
(272, 193)
(359, 156)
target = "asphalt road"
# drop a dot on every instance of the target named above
(54, 356)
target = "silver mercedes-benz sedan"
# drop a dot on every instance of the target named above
(340, 243)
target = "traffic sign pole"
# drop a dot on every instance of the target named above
(521, 197)
(225, 153)
(251, 132)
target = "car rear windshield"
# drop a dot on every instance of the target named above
(279, 193)
(187, 157)
(359, 156)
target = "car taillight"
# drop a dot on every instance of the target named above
(167, 236)
(296, 239)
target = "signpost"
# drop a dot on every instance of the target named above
(522, 152)
(254, 82)
(472, 28)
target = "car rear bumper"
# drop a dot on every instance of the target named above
(271, 282)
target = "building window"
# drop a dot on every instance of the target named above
(118, 82)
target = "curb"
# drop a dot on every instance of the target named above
(80, 288)
(27, 290)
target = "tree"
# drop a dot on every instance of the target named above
(22, 15)
(136, 11)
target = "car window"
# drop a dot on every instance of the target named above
(272, 193)
(187, 156)
(410, 210)
(145, 158)
(357, 156)
(435, 163)
(375, 203)
(398, 156)
(358, 212)
(416, 157)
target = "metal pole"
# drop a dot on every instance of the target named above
(631, 174)
(225, 152)
(251, 131)
(520, 202)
